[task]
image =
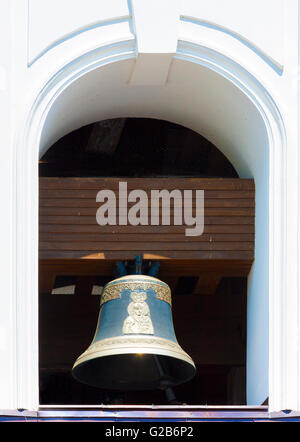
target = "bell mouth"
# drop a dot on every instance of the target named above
(134, 363)
(134, 371)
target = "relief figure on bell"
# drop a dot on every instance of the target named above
(138, 320)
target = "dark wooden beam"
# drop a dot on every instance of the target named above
(207, 284)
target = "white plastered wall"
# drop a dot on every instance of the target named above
(206, 68)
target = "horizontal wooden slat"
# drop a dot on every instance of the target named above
(136, 237)
(91, 202)
(95, 228)
(154, 254)
(72, 193)
(147, 183)
(92, 220)
(86, 211)
(141, 246)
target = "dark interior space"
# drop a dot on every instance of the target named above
(209, 314)
(134, 147)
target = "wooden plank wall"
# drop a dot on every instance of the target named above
(68, 227)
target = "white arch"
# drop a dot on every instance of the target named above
(39, 133)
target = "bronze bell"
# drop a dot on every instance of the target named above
(134, 347)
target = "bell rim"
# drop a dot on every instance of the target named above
(132, 346)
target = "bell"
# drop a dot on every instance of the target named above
(134, 347)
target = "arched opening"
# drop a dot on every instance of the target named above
(209, 295)
(209, 94)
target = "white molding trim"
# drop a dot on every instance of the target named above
(76, 32)
(277, 67)
(27, 208)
